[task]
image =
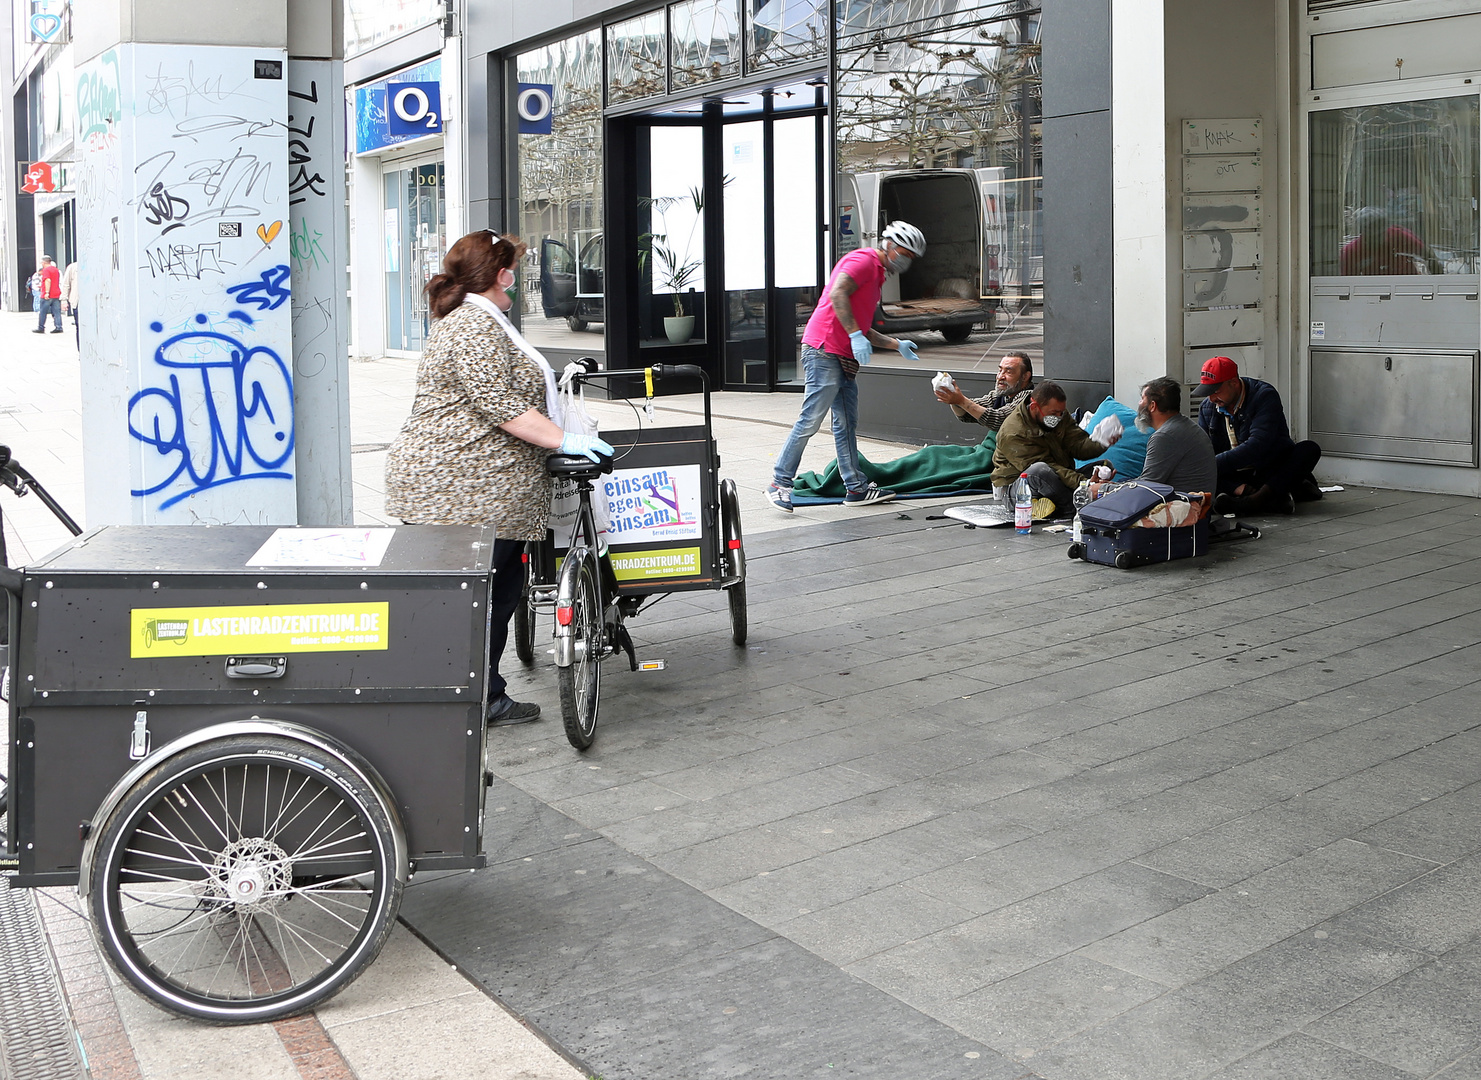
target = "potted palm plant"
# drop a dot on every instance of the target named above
(673, 269)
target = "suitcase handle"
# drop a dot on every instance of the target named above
(256, 667)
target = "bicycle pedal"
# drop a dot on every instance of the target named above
(652, 665)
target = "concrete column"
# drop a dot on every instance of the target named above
(319, 252)
(1139, 218)
(184, 224)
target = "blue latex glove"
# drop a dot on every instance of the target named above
(907, 349)
(863, 351)
(587, 446)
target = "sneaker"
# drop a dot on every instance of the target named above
(38, 331)
(504, 710)
(871, 494)
(59, 331)
(780, 497)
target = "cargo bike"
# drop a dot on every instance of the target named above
(239, 743)
(674, 526)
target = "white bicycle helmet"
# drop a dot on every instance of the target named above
(907, 236)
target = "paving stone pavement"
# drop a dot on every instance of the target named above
(1216, 818)
(962, 807)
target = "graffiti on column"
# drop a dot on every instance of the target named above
(223, 414)
(198, 141)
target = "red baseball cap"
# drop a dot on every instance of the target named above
(1217, 370)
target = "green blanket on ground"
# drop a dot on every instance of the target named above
(943, 470)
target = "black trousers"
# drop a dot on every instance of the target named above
(1280, 476)
(505, 592)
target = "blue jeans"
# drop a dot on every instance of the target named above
(827, 388)
(52, 307)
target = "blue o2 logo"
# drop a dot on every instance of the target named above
(413, 108)
(535, 104)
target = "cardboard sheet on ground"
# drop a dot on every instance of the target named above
(929, 471)
(982, 515)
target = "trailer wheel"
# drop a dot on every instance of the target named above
(957, 333)
(1076, 551)
(735, 560)
(245, 879)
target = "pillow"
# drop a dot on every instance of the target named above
(1129, 455)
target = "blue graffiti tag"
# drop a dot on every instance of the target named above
(245, 397)
(267, 292)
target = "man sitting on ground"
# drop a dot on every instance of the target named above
(1015, 378)
(1179, 453)
(1261, 470)
(1038, 439)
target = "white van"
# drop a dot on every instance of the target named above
(950, 288)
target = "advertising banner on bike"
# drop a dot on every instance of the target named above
(653, 505)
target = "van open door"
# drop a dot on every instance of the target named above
(557, 279)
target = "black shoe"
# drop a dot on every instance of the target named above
(1224, 503)
(504, 711)
(38, 331)
(1308, 490)
(58, 331)
(1284, 503)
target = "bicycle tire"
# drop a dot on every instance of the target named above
(245, 879)
(581, 681)
(524, 622)
(735, 596)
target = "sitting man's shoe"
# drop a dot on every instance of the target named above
(1224, 503)
(780, 497)
(1308, 490)
(871, 494)
(504, 710)
(1043, 508)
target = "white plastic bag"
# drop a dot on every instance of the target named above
(1108, 431)
(566, 504)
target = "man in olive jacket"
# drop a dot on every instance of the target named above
(1038, 439)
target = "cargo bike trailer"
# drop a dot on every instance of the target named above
(240, 747)
(675, 527)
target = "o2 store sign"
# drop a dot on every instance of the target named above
(534, 102)
(413, 108)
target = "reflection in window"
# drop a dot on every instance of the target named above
(369, 22)
(635, 58)
(672, 255)
(705, 41)
(560, 196)
(1394, 187)
(947, 84)
(785, 32)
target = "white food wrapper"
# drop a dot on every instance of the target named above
(1101, 472)
(943, 381)
(1107, 431)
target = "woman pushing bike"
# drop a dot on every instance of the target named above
(485, 417)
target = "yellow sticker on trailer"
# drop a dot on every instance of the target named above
(659, 563)
(264, 628)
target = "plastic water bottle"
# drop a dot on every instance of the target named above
(1082, 496)
(1023, 505)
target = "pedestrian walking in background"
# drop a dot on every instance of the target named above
(70, 296)
(838, 339)
(473, 450)
(51, 296)
(33, 289)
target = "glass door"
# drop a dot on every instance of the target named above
(415, 228)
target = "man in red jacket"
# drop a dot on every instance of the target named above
(51, 296)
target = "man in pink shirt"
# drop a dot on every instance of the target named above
(837, 340)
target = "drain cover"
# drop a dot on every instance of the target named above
(36, 1037)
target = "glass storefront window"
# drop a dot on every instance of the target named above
(953, 86)
(1394, 188)
(785, 32)
(369, 22)
(636, 58)
(672, 255)
(705, 41)
(560, 198)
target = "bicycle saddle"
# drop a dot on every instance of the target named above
(576, 466)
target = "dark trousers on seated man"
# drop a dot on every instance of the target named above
(1289, 474)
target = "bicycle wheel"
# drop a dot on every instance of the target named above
(524, 621)
(581, 681)
(736, 596)
(735, 560)
(245, 879)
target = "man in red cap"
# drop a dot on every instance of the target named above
(1261, 470)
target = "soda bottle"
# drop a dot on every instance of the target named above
(1023, 505)
(1082, 496)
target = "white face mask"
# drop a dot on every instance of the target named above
(1050, 422)
(899, 262)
